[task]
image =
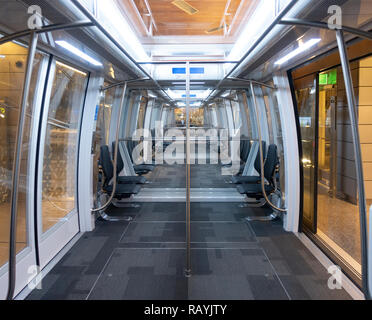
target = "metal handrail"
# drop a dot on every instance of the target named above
(323, 25)
(50, 28)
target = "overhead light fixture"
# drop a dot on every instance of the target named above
(111, 16)
(262, 16)
(78, 52)
(186, 7)
(302, 48)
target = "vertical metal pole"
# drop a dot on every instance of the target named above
(358, 155)
(188, 173)
(17, 166)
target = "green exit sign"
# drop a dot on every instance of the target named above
(328, 78)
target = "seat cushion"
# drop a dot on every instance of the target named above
(253, 189)
(129, 180)
(245, 179)
(124, 189)
(144, 167)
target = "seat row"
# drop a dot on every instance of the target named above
(251, 185)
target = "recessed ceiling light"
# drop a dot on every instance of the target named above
(186, 7)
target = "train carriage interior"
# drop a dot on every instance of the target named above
(185, 150)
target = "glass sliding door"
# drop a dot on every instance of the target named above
(330, 188)
(337, 209)
(13, 61)
(58, 221)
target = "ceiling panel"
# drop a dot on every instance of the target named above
(171, 20)
(157, 18)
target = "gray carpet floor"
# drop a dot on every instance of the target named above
(202, 176)
(145, 259)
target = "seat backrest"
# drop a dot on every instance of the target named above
(271, 163)
(257, 163)
(106, 164)
(120, 162)
(245, 149)
(130, 147)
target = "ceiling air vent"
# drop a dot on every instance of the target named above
(184, 6)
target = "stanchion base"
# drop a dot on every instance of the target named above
(105, 217)
(187, 273)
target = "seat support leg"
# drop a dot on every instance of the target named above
(256, 204)
(272, 217)
(107, 218)
(118, 204)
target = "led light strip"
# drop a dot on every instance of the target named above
(70, 68)
(302, 48)
(78, 52)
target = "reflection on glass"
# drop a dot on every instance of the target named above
(142, 113)
(59, 172)
(13, 59)
(102, 132)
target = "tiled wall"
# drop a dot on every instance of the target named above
(365, 120)
(346, 175)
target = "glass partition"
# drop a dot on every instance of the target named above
(61, 140)
(101, 134)
(275, 125)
